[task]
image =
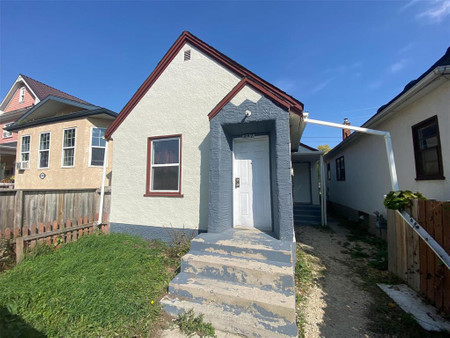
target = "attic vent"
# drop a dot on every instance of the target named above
(187, 55)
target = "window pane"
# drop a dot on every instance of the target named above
(97, 156)
(25, 157)
(165, 151)
(44, 143)
(165, 178)
(69, 138)
(68, 157)
(98, 139)
(43, 161)
(428, 136)
(429, 162)
(25, 143)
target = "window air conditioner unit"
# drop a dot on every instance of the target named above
(23, 165)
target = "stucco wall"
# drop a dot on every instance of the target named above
(366, 166)
(266, 118)
(82, 175)
(178, 103)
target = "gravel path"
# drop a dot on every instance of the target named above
(336, 305)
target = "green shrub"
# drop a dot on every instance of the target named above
(396, 200)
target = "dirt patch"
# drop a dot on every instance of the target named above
(336, 303)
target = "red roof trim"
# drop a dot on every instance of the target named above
(244, 82)
(296, 106)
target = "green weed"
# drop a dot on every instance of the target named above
(189, 324)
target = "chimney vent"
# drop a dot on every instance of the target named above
(346, 132)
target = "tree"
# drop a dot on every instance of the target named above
(325, 148)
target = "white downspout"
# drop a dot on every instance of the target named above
(102, 190)
(323, 192)
(385, 134)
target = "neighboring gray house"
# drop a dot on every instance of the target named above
(418, 119)
(204, 146)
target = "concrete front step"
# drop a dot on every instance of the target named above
(261, 248)
(200, 289)
(267, 275)
(249, 322)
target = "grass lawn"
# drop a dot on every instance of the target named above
(101, 285)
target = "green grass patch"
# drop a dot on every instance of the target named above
(101, 285)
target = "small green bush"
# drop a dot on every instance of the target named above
(189, 324)
(396, 200)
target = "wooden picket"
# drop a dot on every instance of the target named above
(54, 233)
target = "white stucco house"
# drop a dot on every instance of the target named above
(418, 119)
(204, 147)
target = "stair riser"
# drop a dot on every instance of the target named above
(266, 281)
(231, 319)
(262, 255)
(263, 308)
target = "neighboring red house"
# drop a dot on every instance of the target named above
(22, 96)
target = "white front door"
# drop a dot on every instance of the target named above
(251, 182)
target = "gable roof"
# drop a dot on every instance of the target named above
(241, 84)
(187, 37)
(42, 90)
(51, 104)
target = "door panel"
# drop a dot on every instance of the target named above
(252, 199)
(302, 183)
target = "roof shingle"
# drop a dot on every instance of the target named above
(42, 90)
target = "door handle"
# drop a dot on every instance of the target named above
(237, 182)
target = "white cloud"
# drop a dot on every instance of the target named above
(409, 4)
(321, 85)
(398, 66)
(437, 12)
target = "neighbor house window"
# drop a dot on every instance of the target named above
(68, 152)
(329, 171)
(7, 134)
(427, 150)
(44, 150)
(340, 169)
(22, 94)
(98, 145)
(25, 149)
(164, 166)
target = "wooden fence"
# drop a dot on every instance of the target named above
(411, 259)
(22, 208)
(54, 233)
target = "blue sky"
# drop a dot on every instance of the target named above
(340, 58)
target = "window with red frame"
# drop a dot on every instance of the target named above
(164, 165)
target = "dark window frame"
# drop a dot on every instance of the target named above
(417, 151)
(148, 191)
(340, 170)
(329, 171)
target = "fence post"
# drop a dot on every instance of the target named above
(19, 249)
(18, 206)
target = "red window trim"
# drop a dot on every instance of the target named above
(149, 193)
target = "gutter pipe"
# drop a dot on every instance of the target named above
(385, 134)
